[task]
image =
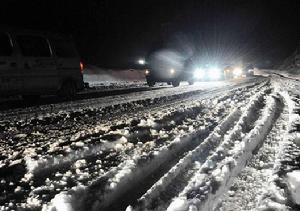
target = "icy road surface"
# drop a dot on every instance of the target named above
(214, 145)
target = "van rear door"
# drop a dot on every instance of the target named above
(67, 59)
(10, 75)
(38, 64)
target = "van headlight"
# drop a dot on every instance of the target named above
(214, 73)
(147, 72)
(237, 71)
(199, 73)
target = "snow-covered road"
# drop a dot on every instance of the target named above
(166, 148)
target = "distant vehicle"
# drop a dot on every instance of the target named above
(215, 72)
(37, 63)
(166, 66)
(204, 72)
(169, 66)
(237, 71)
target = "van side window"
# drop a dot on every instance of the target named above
(6, 48)
(34, 46)
(64, 48)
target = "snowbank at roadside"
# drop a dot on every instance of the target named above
(292, 63)
(283, 73)
(96, 76)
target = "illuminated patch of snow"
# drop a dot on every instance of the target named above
(293, 181)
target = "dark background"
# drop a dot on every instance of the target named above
(115, 34)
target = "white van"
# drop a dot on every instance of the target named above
(36, 63)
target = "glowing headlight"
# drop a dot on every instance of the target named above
(198, 73)
(172, 71)
(141, 61)
(214, 73)
(147, 72)
(237, 71)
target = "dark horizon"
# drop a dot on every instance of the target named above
(115, 34)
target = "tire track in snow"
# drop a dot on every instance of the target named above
(90, 152)
(113, 190)
(91, 132)
(248, 188)
(214, 177)
(279, 193)
(163, 190)
(160, 195)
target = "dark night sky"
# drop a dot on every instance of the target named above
(114, 33)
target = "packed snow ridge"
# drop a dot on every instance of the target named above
(182, 148)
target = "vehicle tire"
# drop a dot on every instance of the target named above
(169, 83)
(175, 83)
(151, 83)
(191, 82)
(67, 90)
(31, 98)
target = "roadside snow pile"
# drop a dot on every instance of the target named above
(292, 63)
(282, 73)
(113, 78)
(293, 180)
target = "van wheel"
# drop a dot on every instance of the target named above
(31, 98)
(175, 83)
(150, 83)
(191, 82)
(67, 90)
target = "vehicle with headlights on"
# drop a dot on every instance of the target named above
(166, 66)
(203, 72)
(238, 71)
(215, 72)
(170, 76)
(208, 73)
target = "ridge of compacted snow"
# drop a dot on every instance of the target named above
(116, 181)
(184, 148)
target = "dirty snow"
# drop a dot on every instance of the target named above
(214, 145)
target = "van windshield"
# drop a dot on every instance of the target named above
(6, 47)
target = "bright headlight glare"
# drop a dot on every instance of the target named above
(214, 73)
(237, 71)
(141, 61)
(172, 71)
(198, 73)
(147, 72)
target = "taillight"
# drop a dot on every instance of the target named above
(81, 66)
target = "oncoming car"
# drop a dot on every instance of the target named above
(238, 71)
(169, 66)
(214, 72)
(208, 73)
(36, 63)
